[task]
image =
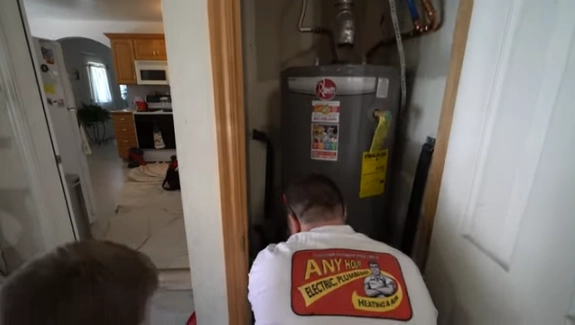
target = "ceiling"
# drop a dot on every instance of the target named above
(118, 10)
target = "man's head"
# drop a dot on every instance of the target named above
(374, 267)
(313, 201)
(87, 282)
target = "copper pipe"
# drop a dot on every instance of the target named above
(431, 14)
(418, 30)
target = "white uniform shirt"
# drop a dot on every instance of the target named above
(333, 275)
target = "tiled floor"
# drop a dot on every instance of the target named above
(173, 303)
(134, 210)
(146, 218)
(108, 173)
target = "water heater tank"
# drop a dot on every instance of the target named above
(328, 125)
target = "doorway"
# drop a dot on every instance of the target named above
(269, 38)
(74, 95)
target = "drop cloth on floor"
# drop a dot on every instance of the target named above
(171, 307)
(148, 218)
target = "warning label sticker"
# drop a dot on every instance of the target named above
(344, 282)
(323, 111)
(324, 144)
(373, 171)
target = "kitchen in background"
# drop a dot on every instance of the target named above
(92, 81)
(140, 64)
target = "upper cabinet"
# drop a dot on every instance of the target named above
(126, 48)
(150, 49)
(123, 53)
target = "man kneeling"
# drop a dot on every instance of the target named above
(327, 269)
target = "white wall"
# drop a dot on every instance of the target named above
(55, 29)
(428, 65)
(429, 76)
(191, 76)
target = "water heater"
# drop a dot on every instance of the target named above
(340, 121)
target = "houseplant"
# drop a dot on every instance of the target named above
(93, 117)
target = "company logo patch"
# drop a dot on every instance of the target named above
(325, 89)
(343, 282)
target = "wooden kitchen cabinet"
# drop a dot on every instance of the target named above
(123, 54)
(125, 132)
(150, 49)
(127, 48)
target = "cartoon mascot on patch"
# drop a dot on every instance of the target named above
(378, 285)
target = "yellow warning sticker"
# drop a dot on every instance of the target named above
(382, 130)
(373, 170)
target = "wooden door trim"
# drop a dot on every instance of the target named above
(226, 53)
(433, 186)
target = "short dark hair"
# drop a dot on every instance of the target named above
(314, 198)
(373, 263)
(86, 282)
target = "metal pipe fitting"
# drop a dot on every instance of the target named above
(431, 14)
(345, 22)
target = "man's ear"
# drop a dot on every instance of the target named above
(344, 214)
(293, 224)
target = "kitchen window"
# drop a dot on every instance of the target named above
(99, 84)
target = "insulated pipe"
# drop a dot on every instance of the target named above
(413, 10)
(345, 22)
(417, 23)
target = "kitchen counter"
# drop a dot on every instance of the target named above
(160, 112)
(135, 128)
(135, 111)
(123, 111)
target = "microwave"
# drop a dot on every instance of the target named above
(152, 72)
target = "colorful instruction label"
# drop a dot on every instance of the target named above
(324, 143)
(325, 111)
(345, 282)
(373, 172)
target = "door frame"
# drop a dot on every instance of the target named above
(224, 18)
(433, 186)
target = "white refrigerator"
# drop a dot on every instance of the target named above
(70, 140)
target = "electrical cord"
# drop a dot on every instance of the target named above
(400, 51)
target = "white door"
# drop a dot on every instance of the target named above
(503, 245)
(34, 215)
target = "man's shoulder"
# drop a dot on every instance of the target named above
(273, 253)
(284, 251)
